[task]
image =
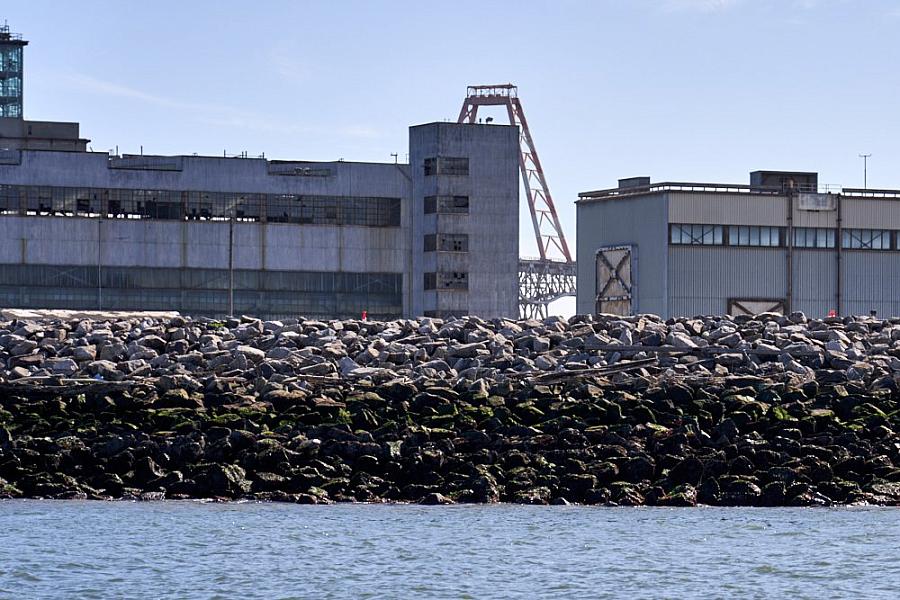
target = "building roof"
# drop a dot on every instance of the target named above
(721, 188)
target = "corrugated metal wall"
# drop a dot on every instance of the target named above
(871, 213)
(703, 278)
(727, 209)
(638, 221)
(871, 282)
(815, 282)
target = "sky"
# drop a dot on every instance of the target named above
(678, 90)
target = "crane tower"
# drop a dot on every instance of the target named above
(547, 278)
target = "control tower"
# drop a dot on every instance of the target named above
(11, 45)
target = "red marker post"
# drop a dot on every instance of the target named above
(365, 315)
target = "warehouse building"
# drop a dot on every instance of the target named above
(221, 235)
(781, 243)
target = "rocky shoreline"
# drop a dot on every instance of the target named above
(771, 410)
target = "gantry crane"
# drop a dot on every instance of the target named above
(545, 279)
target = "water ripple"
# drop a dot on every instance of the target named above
(203, 550)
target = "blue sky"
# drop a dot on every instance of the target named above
(684, 90)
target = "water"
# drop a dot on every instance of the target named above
(72, 549)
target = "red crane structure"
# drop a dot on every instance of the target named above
(545, 279)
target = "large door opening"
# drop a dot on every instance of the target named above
(755, 306)
(615, 276)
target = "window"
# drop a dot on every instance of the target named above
(751, 235)
(455, 204)
(457, 280)
(446, 165)
(866, 239)
(446, 205)
(454, 280)
(453, 242)
(446, 242)
(813, 237)
(453, 166)
(705, 235)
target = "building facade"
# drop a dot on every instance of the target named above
(781, 243)
(215, 236)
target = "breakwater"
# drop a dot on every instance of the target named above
(770, 410)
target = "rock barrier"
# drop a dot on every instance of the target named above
(768, 410)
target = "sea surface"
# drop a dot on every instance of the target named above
(72, 549)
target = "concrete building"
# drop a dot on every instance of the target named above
(216, 235)
(781, 243)
(212, 235)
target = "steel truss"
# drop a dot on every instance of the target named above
(543, 280)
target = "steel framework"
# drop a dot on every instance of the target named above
(541, 280)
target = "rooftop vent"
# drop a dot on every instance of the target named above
(784, 180)
(634, 182)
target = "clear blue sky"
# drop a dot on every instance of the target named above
(685, 90)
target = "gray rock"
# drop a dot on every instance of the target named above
(113, 352)
(347, 365)
(540, 344)
(106, 370)
(23, 347)
(62, 366)
(84, 353)
(18, 372)
(681, 340)
(252, 354)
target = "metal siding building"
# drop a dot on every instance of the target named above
(639, 222)
(777, 244)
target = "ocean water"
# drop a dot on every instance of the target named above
(71, 549)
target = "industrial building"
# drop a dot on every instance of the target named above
(223, 235)
(781, 243)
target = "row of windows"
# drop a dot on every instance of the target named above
(754, 236)
(705, 235)
(147, 278)
(446, 205)
(446, 165)
(776, 237)
(202, 206)
(454, 280)
(446, 242)
(202, 291)
(814, 237)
